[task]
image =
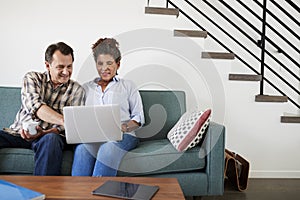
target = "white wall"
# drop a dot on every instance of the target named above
(153, 59)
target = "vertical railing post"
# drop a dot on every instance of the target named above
(263, 35)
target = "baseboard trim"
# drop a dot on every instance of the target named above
(274, 174)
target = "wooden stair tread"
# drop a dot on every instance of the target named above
(270, 98)
(290, 119)
(190, 33)
(162, 11)
(218, 55)
(245, 77)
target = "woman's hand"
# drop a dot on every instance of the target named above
(130, 126)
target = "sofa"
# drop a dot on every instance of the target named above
(199, 170)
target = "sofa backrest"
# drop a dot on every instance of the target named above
(162, 109)
(10, 103)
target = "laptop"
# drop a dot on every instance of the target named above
(90, 124)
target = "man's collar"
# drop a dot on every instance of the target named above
(48, 76)
(49, 80)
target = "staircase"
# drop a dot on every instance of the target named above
(244, 77)
(190, 33)
(217, 55)
(162, 11)
(229, 55)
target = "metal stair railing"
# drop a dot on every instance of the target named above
(279, 21)
(293, 5)
(263, 47)
(238, 57)
(254, 41)
(260, 33)
(285, 12)
(269, 26)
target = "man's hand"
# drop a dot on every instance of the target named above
(40, 132)
(27, 136)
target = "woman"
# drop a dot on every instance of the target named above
(104, 159)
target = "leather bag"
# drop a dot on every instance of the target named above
(236, 170)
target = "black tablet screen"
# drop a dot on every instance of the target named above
(126, 190)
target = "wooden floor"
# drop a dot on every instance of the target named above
(261, 189)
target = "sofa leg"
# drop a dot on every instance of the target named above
(192, 198)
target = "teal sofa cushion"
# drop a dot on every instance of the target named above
(10, 103)
(159, 157)
(21, 161)
(16, 160)
(162, 109)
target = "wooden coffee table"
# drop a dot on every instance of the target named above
(68, 187)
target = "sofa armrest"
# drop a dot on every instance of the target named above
(214, 145)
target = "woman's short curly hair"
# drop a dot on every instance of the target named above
(107, 46)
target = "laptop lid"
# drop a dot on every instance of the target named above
(88, 124)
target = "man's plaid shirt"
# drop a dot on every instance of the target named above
(38, 90)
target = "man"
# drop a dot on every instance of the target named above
(43, 97)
